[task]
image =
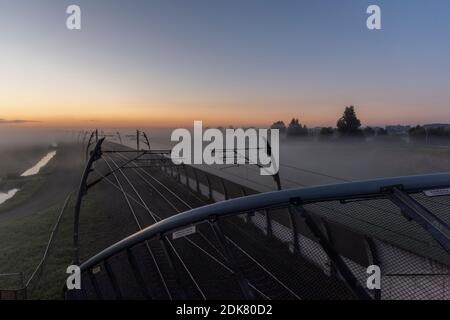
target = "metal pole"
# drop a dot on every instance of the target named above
(89, 144)
(137, 140)
(95, 155)
(147, 140)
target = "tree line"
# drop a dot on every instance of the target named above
(348, 125)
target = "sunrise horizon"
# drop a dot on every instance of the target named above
(133, 66)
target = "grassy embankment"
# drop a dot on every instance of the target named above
(24, 239)
(13, 163)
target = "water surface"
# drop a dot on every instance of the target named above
(6, 196)
(38, 166)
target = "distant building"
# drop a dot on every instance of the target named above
(398, 130)
(437, 126)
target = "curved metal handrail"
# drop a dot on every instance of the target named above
(342, 191)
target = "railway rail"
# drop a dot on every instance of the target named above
(202, 237)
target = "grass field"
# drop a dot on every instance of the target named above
(24, 241)
(28, 187)
(26, 222)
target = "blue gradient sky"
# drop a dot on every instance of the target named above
(240, 62)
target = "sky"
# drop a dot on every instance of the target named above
(240, 62)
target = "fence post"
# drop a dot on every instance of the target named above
(326, 227)
(293, 221)
(269, 230)
(196, 180)
(225, 191)
(210, 193)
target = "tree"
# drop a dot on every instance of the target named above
(296, 129)
(417, 131)
(279, 125)
(349, 124)
(382, 132)
(326, 131)
(369, 132)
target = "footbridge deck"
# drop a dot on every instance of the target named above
(201, 236)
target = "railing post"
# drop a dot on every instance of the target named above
(293, 221)
(341, 266)
(333, 271)
(412, 209)
(179, 174)
(249, 215)
(185, 174)
(171, 171)
(94, 282)
(137, 274)
(163, 240)
(112, 278)
(223, 243)
(269, 230)
(210, 192)
(224, 188)
(196, 180)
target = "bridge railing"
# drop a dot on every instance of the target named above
(331, 233)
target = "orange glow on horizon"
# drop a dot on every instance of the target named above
(182, 115)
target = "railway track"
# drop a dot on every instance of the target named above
(202, 243)
(195, 266)
(245, 250)
(199, 241)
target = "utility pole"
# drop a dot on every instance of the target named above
(137, 140)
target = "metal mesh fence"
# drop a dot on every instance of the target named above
(348, 225)
(285, 252)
